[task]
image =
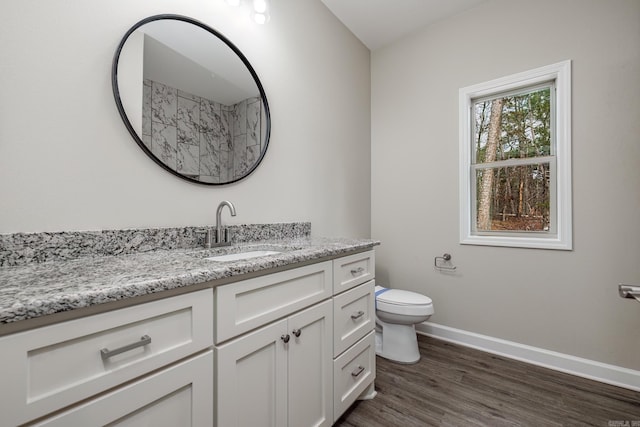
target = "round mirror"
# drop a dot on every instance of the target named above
(191, 100)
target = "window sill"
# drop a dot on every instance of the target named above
(551, 242)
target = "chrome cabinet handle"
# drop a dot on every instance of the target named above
(285, 338)
(357, 271)
(357, 371)
(357, 315)
(105, 353)
(296, 332)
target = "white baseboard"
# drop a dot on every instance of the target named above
(610, 374)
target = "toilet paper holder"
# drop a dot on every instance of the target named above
(445, 258)
(629, 291)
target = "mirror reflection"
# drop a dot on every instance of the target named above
(191, 100)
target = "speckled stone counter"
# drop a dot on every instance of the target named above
(26, 248)
(33, 290)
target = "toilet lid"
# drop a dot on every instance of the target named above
(400, 297)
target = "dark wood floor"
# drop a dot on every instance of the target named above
(459, 386)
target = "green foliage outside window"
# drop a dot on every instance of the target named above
(513, 161)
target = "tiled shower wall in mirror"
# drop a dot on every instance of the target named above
(198, 137)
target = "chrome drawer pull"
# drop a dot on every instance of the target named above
(357, 371)
(285, 338)
(357, 315)
(296, 332)
(357, 271)
(106, 353)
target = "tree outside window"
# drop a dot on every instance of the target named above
(513, 149)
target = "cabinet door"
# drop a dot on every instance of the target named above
(180, 395)
(251, 379)
(310, 400)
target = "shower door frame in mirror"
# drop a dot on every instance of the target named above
(228, 138)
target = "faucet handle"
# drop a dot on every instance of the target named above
(208, 236)
(223, 237)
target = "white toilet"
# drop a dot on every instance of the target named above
(397, 313)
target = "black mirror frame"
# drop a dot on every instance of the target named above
(129, 126)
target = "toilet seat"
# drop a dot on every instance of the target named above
(398, 301)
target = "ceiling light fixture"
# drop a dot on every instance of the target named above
(260, 12)
(260, 9)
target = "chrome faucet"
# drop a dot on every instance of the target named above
(222, 239)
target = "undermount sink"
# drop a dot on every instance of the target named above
(241, 256)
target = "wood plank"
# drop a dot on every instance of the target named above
(453, 385)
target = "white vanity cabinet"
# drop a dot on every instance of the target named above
(295, 348)
(105, 362)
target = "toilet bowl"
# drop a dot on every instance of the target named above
(397, 313)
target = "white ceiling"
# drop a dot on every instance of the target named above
(378, 23)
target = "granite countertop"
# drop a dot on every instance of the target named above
(39, 289)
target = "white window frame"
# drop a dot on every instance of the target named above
(560, 234)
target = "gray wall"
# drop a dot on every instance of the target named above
(68, 163)
(556, 300)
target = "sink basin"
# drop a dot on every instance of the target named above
(241, 256)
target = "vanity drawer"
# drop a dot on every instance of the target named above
(179, 395)
(354, 316)
(353, 372)
(353, 270)
(48, 368)
(249, 304)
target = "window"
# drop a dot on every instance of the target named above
(515, 160)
